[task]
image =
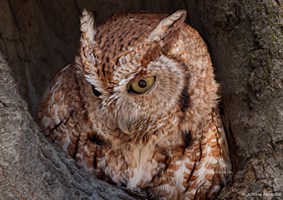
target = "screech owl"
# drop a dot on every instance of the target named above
(138, 107)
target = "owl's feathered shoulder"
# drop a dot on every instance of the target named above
(219, 150)
(60, 100)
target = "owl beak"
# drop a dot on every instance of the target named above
(123, 126)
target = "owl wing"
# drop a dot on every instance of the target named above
(63, 117)
(217, 160)
(210, 167)
(220, 152)
(222, 141)
(58, 107)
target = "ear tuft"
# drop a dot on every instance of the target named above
(88, 29)
(159, 32)
(88, 32)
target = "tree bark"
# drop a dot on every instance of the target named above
(246, 44)
(30, 167)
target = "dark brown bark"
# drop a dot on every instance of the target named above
(30, 167)
(246, 43)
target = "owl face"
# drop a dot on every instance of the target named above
(138, 95)
(138, 77)
(144, 94)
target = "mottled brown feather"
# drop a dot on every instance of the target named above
(168, 141)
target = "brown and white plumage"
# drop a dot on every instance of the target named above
(168, 140)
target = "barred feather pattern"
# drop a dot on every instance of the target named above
(168, 141)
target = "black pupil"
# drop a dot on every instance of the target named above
(142, 83)
(95, 92)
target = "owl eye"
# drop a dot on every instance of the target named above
(95, 92)
(142, 85)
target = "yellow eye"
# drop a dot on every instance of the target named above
(142, 85)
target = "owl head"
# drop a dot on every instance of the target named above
(145, 68)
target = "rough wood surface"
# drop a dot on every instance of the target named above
(246, 42)
(30, 167)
